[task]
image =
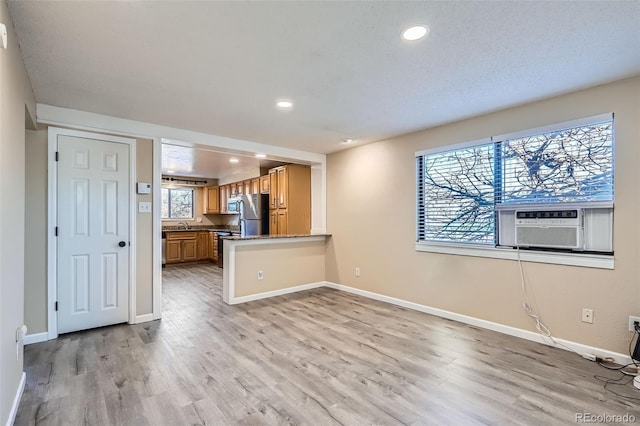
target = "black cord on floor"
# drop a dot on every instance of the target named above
(619, 381)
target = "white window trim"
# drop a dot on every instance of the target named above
(599, 261)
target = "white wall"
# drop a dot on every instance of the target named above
(16, 97)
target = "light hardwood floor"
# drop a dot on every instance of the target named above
(319, 357)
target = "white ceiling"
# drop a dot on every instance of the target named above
(218, 67)
(205, 162)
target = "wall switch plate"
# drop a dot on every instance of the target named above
(260, 275)
(633, 319)
(357, 272)
(587, 315)
(144, 207)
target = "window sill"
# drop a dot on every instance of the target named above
(570, 259)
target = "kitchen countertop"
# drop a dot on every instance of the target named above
(194, 229)
(272, 237)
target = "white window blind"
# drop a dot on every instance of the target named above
(456, 201)
(569, 165)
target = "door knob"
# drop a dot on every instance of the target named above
(122, 244)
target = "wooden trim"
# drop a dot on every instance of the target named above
(156, 285)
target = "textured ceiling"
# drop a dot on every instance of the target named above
(218, 67)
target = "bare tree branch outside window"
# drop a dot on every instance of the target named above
(177, 203)
(460, 188)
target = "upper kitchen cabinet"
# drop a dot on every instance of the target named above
(225, 193)
(290, 195)
(255, 186)
(211, 200)
(264, 184)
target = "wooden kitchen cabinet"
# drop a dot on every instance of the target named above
(203, 245)
(273, 184)
(224, 196)
(290, 200)
(173, 251)
(211, 200)
(189, 250)
(186, 246)
(264, 184)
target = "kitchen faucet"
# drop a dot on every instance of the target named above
(185, 224)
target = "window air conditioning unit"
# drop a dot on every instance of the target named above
(549, 228)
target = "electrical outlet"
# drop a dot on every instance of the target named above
(260, 275)
(633, 319)
(357, 272)
(587, 315)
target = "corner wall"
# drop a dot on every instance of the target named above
(15, 95)
(371, 213)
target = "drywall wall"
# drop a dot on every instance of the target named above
(144, 230)
(283, 265)
(371, 214)
(16, 100)
(35, 232)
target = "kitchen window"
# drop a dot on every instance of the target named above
(464, 192)
(177, 203)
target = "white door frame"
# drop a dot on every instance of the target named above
(52, 247)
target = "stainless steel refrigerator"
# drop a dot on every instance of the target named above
(251, 214)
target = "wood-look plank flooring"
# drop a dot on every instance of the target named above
(319, 357)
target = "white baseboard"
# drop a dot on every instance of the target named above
(274, 293)
(144, 318)
(36, 338)
(501, 328)
(16, 400)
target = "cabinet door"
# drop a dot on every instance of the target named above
(264, 184)
(203, 245)
(255, 186)
(213, 253)
(282, 187)
(273, 222)
(173, 251)
(189, 250)
(246, 185)
(211, 200)
(223, 198)
(273, 189)
(283, 224)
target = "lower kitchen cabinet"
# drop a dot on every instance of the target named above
(185, 246)
(203, 245)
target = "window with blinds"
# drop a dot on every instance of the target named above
(460, 190)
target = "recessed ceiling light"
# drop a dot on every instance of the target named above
(415, 33)
(347, 141)
(171, 171)
(261, 156)
(233, 160)
(284, 104)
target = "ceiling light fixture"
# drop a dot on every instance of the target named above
(415, 32)
(284, 104)
(261, 156)
(234, 160)
(347, 141)
(171, 171)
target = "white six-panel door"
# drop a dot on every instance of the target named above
(93, 233)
